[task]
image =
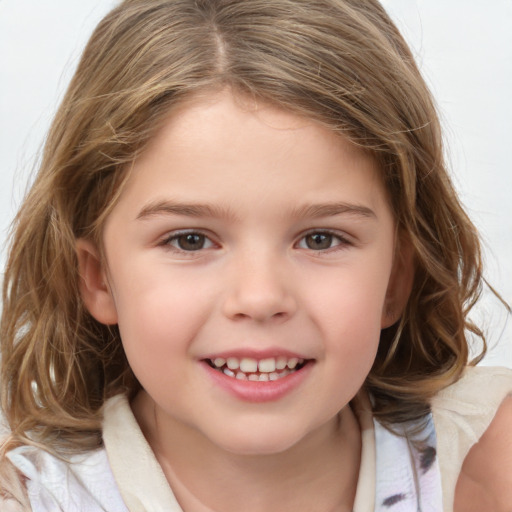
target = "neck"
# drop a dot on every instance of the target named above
(318, 473)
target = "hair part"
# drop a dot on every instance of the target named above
(341, 63)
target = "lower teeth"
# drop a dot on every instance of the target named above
(255, 377)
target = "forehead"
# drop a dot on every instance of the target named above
(219, 145)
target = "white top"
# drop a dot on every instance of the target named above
(397, 474)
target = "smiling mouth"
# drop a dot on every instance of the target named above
(263, 370)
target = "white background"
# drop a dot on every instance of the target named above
(464, 48)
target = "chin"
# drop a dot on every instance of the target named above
(259, 442)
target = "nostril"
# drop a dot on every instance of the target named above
(259, 303)
(261, 316)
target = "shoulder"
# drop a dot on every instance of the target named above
(480, 385)
(463, 414)
(485, 482)
(467, 407)
(13, 493)
(80, 481)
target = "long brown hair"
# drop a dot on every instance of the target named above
(340, 62)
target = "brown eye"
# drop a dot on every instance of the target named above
(323, 241)
(319, 241)
(189, 241)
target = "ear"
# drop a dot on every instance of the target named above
(400, 283)
(94, 288)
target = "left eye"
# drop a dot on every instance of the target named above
(320, 241)
(189, 241)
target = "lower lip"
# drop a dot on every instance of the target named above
(255, 391)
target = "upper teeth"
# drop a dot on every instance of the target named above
(250, 365)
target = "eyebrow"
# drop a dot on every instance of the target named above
(198, 210)
(184, 209)
(333, 209)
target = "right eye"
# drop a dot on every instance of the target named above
(188, 241)
(323, 241)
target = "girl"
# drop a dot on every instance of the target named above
(241, 279)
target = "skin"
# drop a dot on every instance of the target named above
(259, 282)
(485, 482)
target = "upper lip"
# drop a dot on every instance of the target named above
(257, 354)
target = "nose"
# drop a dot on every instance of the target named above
(261, 289)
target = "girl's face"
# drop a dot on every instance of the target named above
(249, 266)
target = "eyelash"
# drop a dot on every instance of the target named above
(175, 236)
(342, 242)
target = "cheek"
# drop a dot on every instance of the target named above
(352, 332)
(150, 294)
(347, 310)
(351, 299)
(158, 318)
